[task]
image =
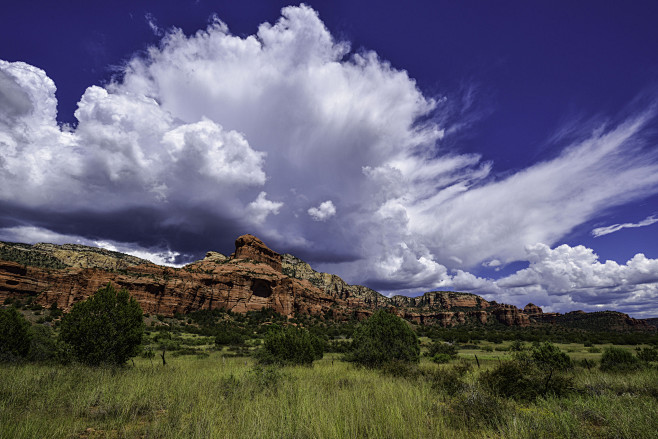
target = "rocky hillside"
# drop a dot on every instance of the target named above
(252, 278)
(68, 255)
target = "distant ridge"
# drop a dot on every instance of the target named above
(252, 278)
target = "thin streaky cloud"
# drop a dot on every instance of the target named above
(601, 231)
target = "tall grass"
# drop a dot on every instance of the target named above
(219, 397)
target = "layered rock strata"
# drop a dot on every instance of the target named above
(252, 278)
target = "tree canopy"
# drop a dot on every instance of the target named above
(290, 345)
(383, 338)
(107, 328)
(14, 335)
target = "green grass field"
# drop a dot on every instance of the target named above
(217, 396)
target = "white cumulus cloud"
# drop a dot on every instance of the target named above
(261, 207)
(567, 278)
(323, 212)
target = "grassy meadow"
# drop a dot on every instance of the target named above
(214, 395)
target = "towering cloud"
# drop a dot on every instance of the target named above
(292, 135)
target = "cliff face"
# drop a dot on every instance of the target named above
(247, 281)
(252, 278)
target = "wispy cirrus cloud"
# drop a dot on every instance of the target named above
(601, 231)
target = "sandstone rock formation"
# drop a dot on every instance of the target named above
(532, 309)
(246, 282)
(249, 247)
(252, 278)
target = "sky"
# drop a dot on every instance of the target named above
(509, 149)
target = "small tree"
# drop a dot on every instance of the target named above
(529, 375)
(107, 328)
(383, 338)
(439, 347)
(647, 354)
(616, 359)
(290, 345)
(550, 359)
(14, 335)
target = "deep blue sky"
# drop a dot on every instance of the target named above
(517, 71)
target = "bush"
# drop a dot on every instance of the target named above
(517, 346)
(438, 347)
(531, 375)
(587, 364)
(400, 369)
(474, 408)
(442, 358)
(383, 338)
(14, 335)
(619, 360)
(450, 380)
(549, 357)
(43, 345)
(229, 335)
(290, 345)
(107, 328)
(647, 354)
(511, 380)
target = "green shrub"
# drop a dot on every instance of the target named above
(289, 345)
(264, 379)
(511, 380)
(229, 337)
(14, 335)
(107, 328)
(449, 380)
(528, 376)
(517, 346)
(647, 354)
(587, 363)
(474, 408)
(438, 347)
(549, 357)
(442, 358)
(382, 338)
(43, 344)
(616, 359)
(401, 369)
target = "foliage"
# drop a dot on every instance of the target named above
(449, 380)
(587, 363)
(549, 357)
(438, 347)
(26, 254)
(495, 333)
(647, 354)
(616, 359)
(382, 338)
(528, 376)
(106, 328)
(475, 408)
(442, 358)
(517, 346)
(290, 345)
(265, 379)
(400, 369)
(43, 344)
(229, 334)
(14, 335)
(332, 399)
